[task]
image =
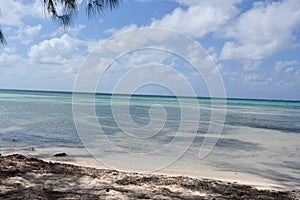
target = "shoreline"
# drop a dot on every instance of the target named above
(243, 178)
(232, 177)
(226, 176)
(32, 178)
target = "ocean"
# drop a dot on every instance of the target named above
(150, 133)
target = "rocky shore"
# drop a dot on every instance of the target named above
(30, 178)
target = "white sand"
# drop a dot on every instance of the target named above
(232, 177)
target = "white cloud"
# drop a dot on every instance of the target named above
(152, 74)
(14, 12)
(205, 61)
(258, 79)
(216, 3)
(9, 60)
(27, 33)
(10, 50)
(31, 31)
(231, 75)
(140, 57)
(131, 40)
(50, 58)
(285, 73)
(64, 54)
(115, 31)
(281, 65)
(251, 66)
(159, 40)
(262, 31)
(188, 2)
(289, 70)
(73, 31)
(200, 18)
(55, 51)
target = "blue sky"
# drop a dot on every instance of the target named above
(255, 44)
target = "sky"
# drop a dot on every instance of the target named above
(255, 46)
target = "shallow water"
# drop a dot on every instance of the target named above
(258, 137)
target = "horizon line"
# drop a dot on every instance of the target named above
(150, 95)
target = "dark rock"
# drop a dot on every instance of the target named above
(30, 149)
(63, 154)
(18, 157)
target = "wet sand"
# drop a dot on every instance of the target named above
(30, 178)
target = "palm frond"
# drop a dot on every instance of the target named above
(70, 7)
(65, 16)
(50, 6)
(95, 7)
(2, 38)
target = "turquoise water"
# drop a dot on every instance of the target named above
(259, 137)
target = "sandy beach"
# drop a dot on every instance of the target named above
(30, 178)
